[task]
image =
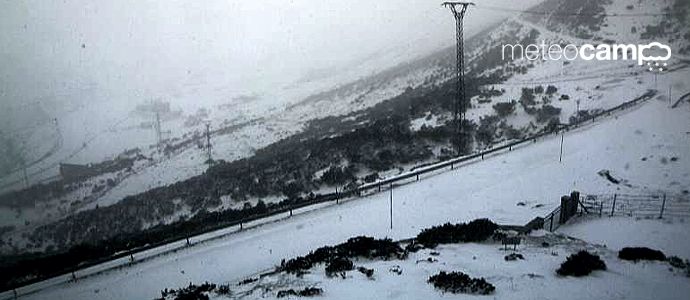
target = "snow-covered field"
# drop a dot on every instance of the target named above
(531, 278)
(670, 235)
(281, 111)
(489, 188)
(88, 125)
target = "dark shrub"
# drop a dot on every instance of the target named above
(371, 177)
(513, 256)
(362, 246)
(640, 253)
(192, 292)
(486, 132)
(339, 265)
(504, 108)
(337, 175)
(527, 97)
(365, 271)
(307, 292)
(475, 231)
(676, 262)
(458, 282)
(551, 90)
(223, 289)
(581, 264)
(547, 112)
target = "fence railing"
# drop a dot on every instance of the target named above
(551, 221)
(353, 192)
(646, 206)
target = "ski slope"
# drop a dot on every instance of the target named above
(489, 188)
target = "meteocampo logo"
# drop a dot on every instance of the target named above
(641, 53)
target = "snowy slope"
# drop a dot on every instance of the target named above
(490, 188)
(85, 131)
(531, 278)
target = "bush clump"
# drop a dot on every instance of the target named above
(677, 262)
(361, 246)
(475, 231)
(339, 265)
(366, 272)
(513, 256)
(458, 282)
(640, 253)
(192, 292)
(307, 292)
(581, 264)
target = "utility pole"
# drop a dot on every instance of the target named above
(23, 161)
(391, 205)
(208, 144)
(157, 127)
(560, 157)
(458, 9)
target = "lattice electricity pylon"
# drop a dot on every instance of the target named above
(458, 9)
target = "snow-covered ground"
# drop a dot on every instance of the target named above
(489, 188)
(531, 278)
(670, 235)
(90, 131)
(91, 124)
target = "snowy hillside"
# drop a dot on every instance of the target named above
(71, 128)
(325, 133)
(489, 188)
(545, 93)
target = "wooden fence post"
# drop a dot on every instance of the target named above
(663, 205)
(565, 210)
(613, 207)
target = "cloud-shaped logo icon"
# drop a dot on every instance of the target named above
(641, 57)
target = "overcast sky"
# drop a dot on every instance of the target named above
(69, 48)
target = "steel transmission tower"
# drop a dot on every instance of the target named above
(458, 9)
(208, 144)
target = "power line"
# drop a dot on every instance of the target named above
(536, 12)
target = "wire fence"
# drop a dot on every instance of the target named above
(644, 206)
(221, 227)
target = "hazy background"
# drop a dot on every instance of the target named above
(60, 48)
(86, 64)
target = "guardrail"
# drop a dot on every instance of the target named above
(337, 196)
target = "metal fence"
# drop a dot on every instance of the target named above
(367, 188)
(645, 206)
(551, 221)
